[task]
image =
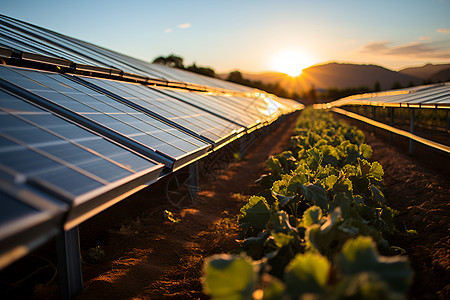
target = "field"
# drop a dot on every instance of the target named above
(159, 255)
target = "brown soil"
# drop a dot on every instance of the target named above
(147, 256)
(418, 186)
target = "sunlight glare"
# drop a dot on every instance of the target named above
(291, 62)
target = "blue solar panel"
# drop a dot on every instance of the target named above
(113, 116)
(190, 117)
(214, 104)
(37, 145)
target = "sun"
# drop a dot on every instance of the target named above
(291, 62)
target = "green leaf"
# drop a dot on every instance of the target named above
(229, 277)
(316, 195)
(306, 273)
(282, 239)
(360, 184)
(376, 171)
(314, 158)
(312, 215)
(352, 153)
(365, 150)
(364, 167)
(275, 289)
(377, 195)
(364, 286)
(330, 181)
(342, 185)
(360, 255)
(256, 211)
(274, 164)
(388, 217)
(280, 221)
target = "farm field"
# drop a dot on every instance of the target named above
(156, 257)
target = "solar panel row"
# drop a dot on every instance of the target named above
(42, 45)
(428, 96)
(72, 145)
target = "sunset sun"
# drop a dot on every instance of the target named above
(291, 62)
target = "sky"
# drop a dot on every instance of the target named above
(254, 36)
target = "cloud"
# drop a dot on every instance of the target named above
(168, 30)
(444, 30)
(425, 38)
(184, 26)
(412, 50)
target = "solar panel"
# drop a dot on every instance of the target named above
(190, 117)
(31, 39)
(65, 160)
(213, 105)
(35, 143)
(148, 135)
(433, 96)
(27, 220)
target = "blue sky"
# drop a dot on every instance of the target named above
(251, 35)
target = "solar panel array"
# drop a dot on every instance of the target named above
(78, 138)
(425, 96)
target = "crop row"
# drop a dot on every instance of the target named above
(317, 228)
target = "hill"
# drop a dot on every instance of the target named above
(441, 76)
(425, 72)
(335, 75)
(341, 76)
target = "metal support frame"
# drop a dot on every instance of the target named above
(448, 120)
(242, 145)
(392, 123)
(411, 130)
(69, 263)
(182, 186)
(404, 133)
(193, 179)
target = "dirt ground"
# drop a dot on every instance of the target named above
(418, 186)
(149, 256)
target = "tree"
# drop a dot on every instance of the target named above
(236, 77)
(396, 85)
(201, 70)
(377, 87)
(170, 61)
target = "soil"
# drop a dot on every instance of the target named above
(418, 187)
(150, 254)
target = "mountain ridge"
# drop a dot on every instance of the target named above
(348, 75)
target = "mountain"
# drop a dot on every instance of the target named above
(441, 76)
(425, 72)
(336, 75)
(340, 75)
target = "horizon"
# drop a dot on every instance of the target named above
(327, 63)
(255, 36)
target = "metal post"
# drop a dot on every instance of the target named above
(193, 179)
(243, 145)
(69, 263)
(411, 129)
(448, 120)
(391, 135)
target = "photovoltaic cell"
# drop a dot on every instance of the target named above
(214, 105)
(38, 145)
(427, 95)
(188, 116)
(107, 112)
